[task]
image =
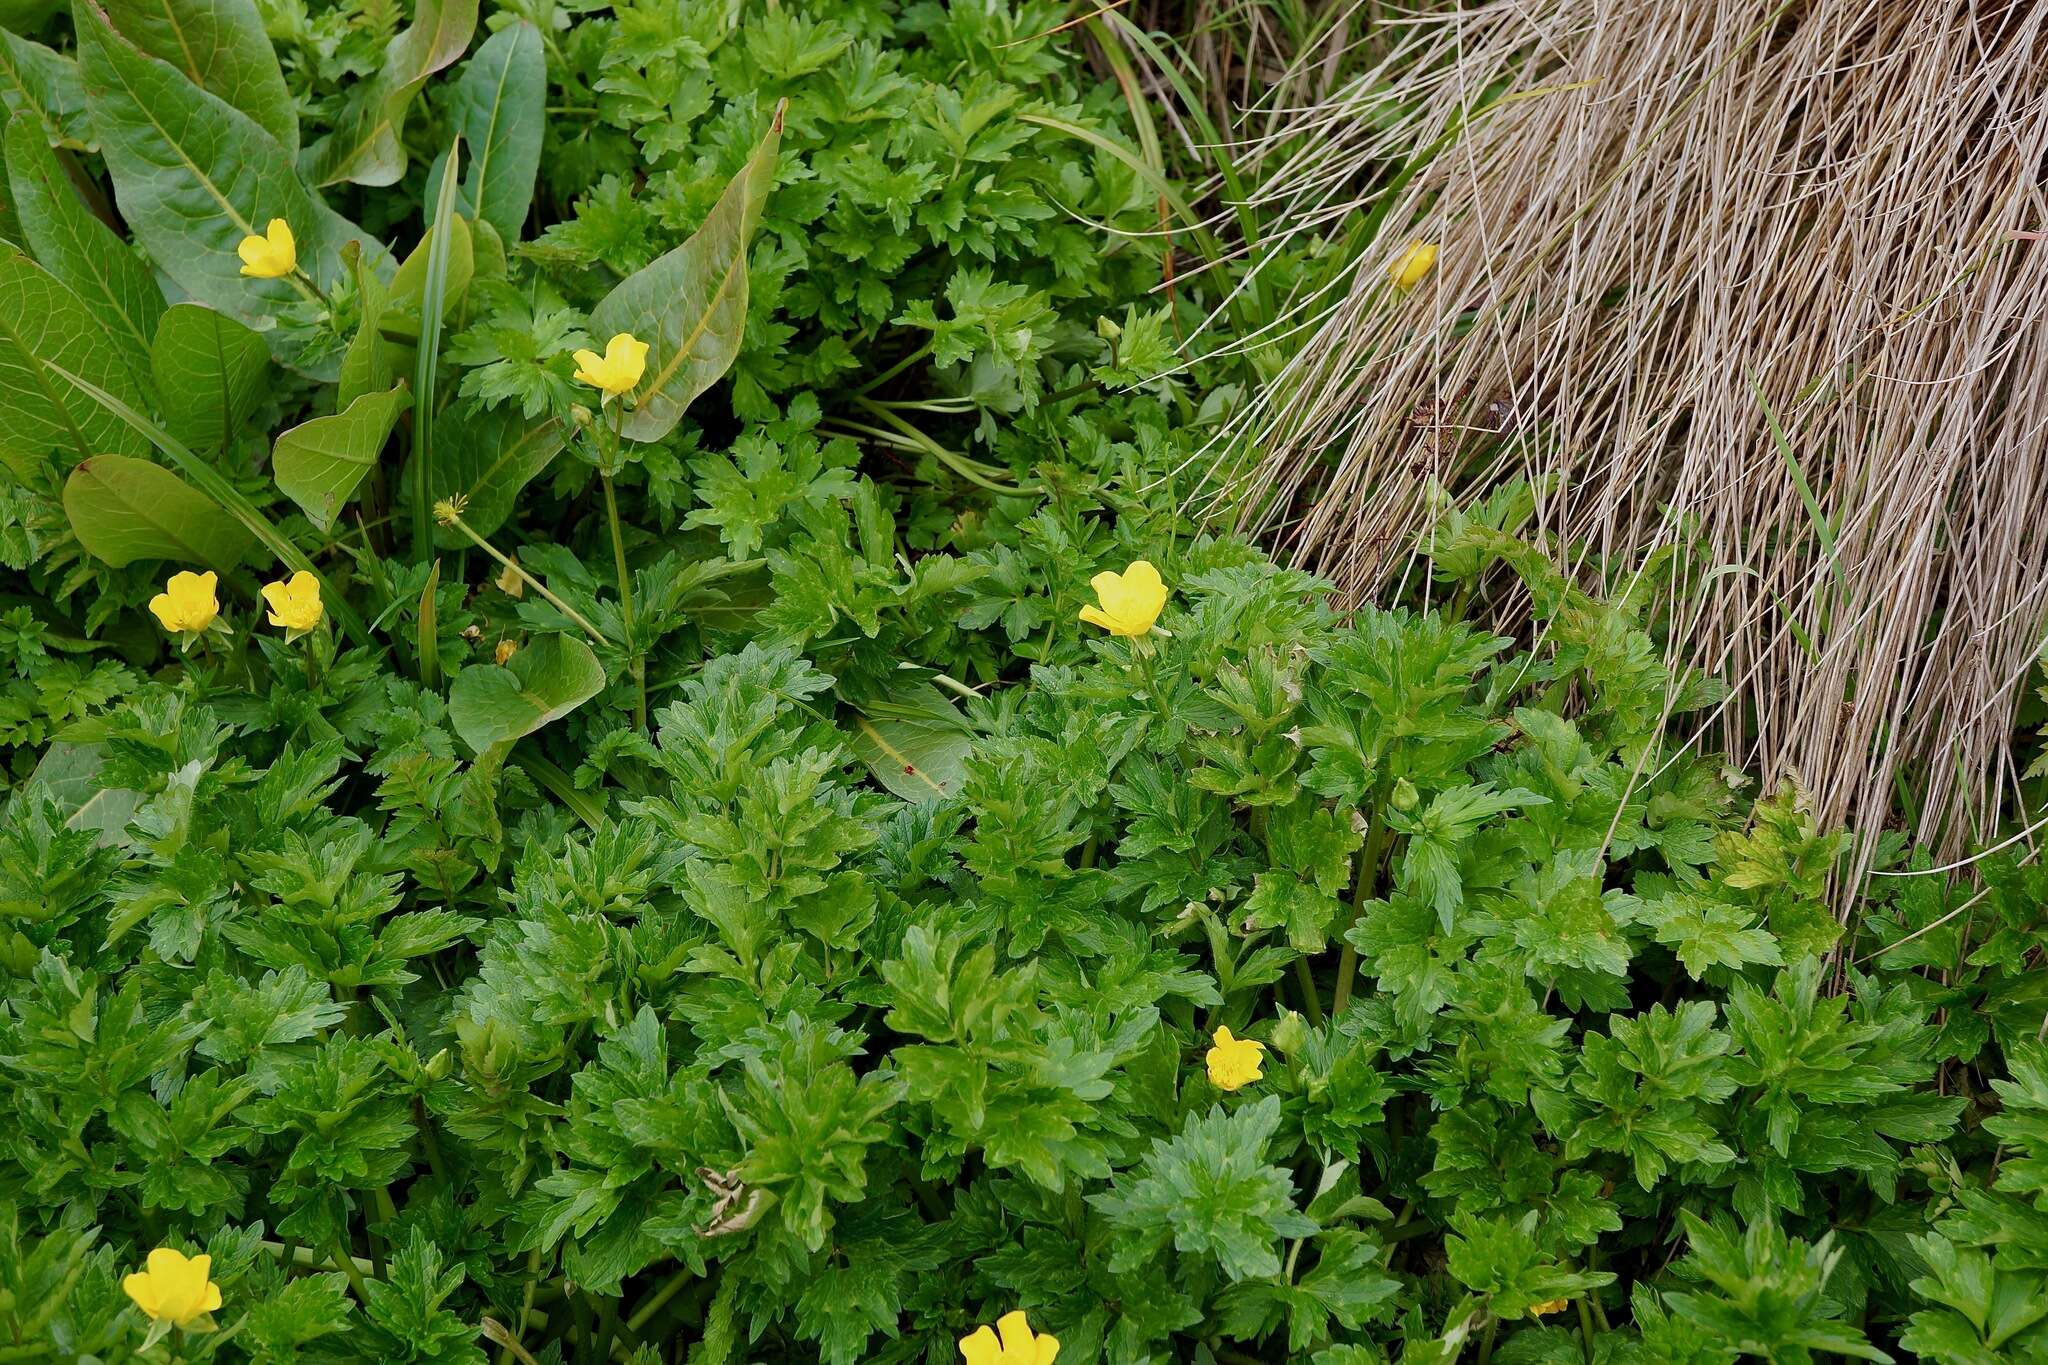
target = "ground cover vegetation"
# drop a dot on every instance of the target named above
(621, 744)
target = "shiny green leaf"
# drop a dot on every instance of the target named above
(124, 509)
(318, 464)
(210, 372)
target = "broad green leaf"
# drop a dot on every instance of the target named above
(123, 509)
(486, 458)
(319, 463)
(690, 305)
(365, 147)
(382, 348)
(489, 704)
(44, 85)
(210, 371)
(915, 742)
(498, 109)
(220, 46)
(195, 176)
(76, 247)
(44, 328)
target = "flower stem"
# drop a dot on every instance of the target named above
(611, 511)
(454, 519)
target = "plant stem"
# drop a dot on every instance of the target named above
(454, 519)
(639, 664)
(1311, 1000)
(669, 1289)
(1368, 878)
(347, 1265)
(1486, 1342)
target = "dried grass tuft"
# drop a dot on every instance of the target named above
(1812, 211)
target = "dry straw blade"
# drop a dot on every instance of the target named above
(1756, 268)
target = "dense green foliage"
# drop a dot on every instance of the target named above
(702, 894)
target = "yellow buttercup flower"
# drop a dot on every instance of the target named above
(273, 255)
(1130, 601)
(187, 604)
(1537, 1310)
(1412, 265)
(1234, 1062)
(618, 370)
(1018, 1346)
(295, 602)
(173, 1289)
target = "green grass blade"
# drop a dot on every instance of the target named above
(1822, 529)
(427, 364)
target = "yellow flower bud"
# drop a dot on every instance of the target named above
(273, 255)
(504, 652)
(618, 370)
(1412, 265)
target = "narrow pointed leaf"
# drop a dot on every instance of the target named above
(319, 464)
(690, 305)
(498, 109)
(123, 509)
(75, 246)
(210, 371)
(44, 85)
(220, 46)
(48, 336)
(365, 147)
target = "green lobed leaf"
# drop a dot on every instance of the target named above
(489, 704)
(79, 249)
(319, 464)
(124, 509)
(220, 46)
(690, 305)
(210, 372)
(46, 335)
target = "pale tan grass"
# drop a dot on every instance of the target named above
(1818, 199)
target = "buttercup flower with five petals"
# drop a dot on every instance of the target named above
(187, 605)
(1130, 601)
(617, 372)
(1018, 1345)
(273, 255)
(1234, 1062)
(1412, 265)
(294, 602)
(172, 1288)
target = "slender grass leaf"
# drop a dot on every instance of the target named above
(491, 704)
(588, 808)
(44, 85)
(79, 249)
(47, 335)
(220, 46)
(498, 107)
(440, 249)
(210, 373)
(123, 509)
(365, 146)
(319, 464)
(1823, 529)
(486, 458)
(195, 175)
(210, 481)
(427, 638)
(690, 305)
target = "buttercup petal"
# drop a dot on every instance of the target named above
(1048, 1347)
(1015, 1329)
(979, 1347)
